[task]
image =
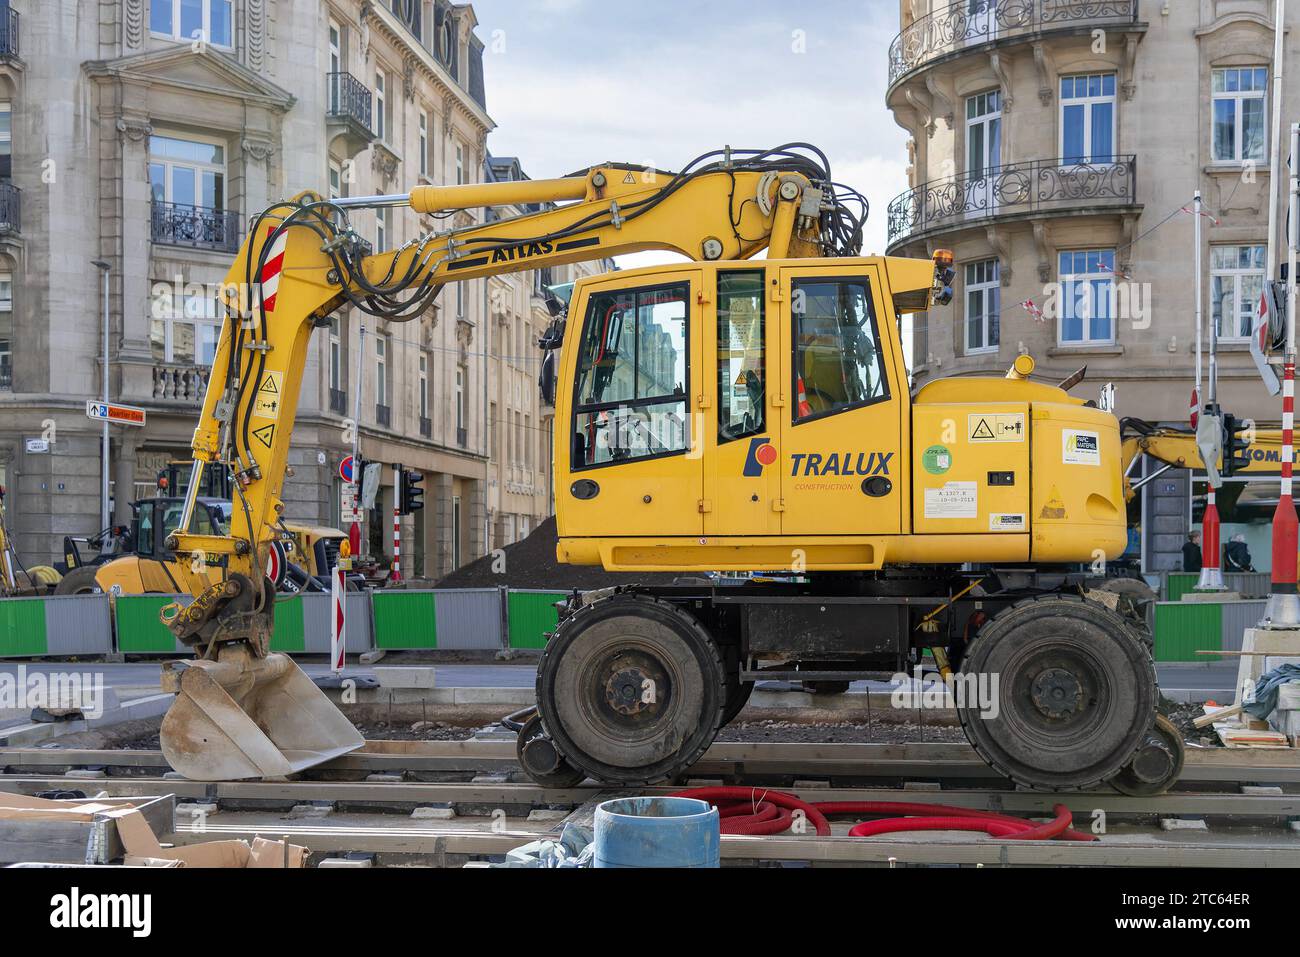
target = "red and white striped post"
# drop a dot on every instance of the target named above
(338, 620)
(397, 525)
(1283, 608)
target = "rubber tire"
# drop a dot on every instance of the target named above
(1092, 755)
(79, 581)
(738, 693)
(692, 713)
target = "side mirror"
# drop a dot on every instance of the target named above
(546, 379)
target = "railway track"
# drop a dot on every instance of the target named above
(1247, 804)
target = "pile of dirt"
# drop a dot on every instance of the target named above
(531, 563)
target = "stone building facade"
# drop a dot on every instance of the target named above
(144, 134)
(1055, 147)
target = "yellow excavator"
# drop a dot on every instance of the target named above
(731, 413)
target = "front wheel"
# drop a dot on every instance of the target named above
(1057, 693)
(631, 690)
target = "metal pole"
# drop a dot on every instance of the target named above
(1275, 161)
(105, 519)
(354, 533)
(1283, 608)
(1200, 323)
(1211, 573)
(397, 524)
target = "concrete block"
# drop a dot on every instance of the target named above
(1211, 596)
(86, 774)
(301, 811)
(433, 814)
(196, 810)
(343, 862)
(370, 657)
(541, 814)
(1181, 824)
(492, 777)
(1261, 789)
(380, 778)
(405, 677)
(502, 696)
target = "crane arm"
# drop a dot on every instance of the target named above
(1177, 449)
(303, 260)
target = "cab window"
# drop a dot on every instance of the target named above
(630, 394)
(741, 374)
(838, 365)
(144, 529)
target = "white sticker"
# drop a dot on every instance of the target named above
(1003, 427)
(1006, 522)
(954, 500)
(1080, 448)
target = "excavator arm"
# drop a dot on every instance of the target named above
(1178, 450)
(243, 712)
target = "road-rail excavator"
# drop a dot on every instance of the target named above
(731, 413)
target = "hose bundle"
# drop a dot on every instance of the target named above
(758, 811)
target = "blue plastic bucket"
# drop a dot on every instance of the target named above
(657, 832)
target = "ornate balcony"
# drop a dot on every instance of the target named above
(338, 402)
(177, 224)
(1020, 189)
(384, 416)
(958, 27)
(9, 34)
(426, 428)
(348, 111)
(11, 207)
(180, 383)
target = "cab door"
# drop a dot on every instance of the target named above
(841, 466)
(741, 423)
(628, 452)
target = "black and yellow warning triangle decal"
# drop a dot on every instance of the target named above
(265, 434)
(270, 384)
(982, 431)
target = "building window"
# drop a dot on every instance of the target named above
(336, 179)
(1236, 284)
(6, 330)
(207, 20)
(187, 172)
(336, 354)
(184, 329)
(460, 165)
(381, 104)
(983, 133)
(6, 139)
(455, 531)
(1239, 118)
(460, 300)
(424, 385)
(742, 375)
(424, 144)
(983, 306)
(382, 218)
(460, 397)
(1088, 118)
(1087, 278)
(382, 345)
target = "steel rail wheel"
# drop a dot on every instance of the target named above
(1071, 693)
(631, 690)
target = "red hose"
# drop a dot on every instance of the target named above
(755, 811)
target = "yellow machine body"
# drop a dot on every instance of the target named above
(978, 470)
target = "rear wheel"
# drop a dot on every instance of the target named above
(1066, 693)
(79, 581)
(631, 690)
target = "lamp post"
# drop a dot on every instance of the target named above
(104, 517)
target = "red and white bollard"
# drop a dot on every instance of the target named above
(396, 574)
(338, 620)
(1282, 607)
(1211, 573)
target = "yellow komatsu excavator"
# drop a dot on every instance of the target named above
(731, 413)
(1261, 452)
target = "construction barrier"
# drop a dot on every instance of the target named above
(1245, 584)
(473, 619)
(55, 627)
(1182, 628)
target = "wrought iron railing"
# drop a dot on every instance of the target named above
(426, 428)
(349, 99)
(178, 224)
(969, 23)
(6, 374)
(384, 415)
(462, 438)
(338, 402)
(1033, 186)
(9, 33)
(11, 208)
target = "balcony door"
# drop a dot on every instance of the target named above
(983, 153)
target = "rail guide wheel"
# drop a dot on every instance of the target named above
(1066, 694)
(1157, 764)
(631, 690)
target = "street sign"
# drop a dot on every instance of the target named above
(345, 469)
(37, 446)
(348, 510)
(118, 414)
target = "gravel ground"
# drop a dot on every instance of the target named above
(419, 731)
(877, 732)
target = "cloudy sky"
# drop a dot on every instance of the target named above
(572, 83)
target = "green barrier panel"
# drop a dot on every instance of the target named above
(1179, 584)
(533, 616)
(289, 634)
(404, 620)
(1183, 628)
(22, 628)
(139, 632)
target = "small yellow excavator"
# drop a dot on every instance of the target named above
(17, 581)
(730, 413)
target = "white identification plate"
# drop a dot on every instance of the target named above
(954, 500)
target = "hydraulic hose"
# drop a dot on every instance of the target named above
(758, 811)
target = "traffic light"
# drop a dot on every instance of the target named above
(1236, 444)
(412, 493)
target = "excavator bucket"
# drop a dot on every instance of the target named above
(242, 717)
